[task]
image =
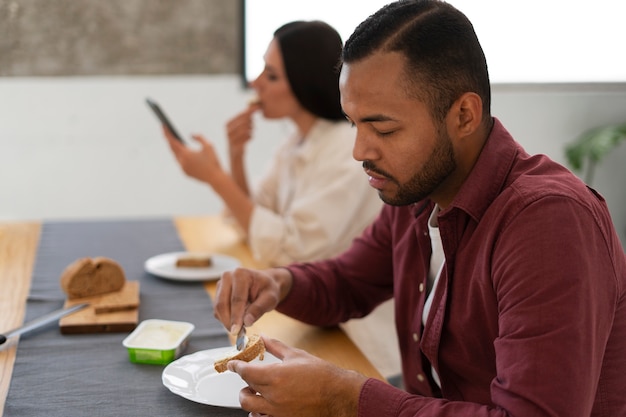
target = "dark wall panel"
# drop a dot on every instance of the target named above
(119, 37)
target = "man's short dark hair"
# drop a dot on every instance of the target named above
(444, 56)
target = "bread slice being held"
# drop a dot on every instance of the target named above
(255, 347)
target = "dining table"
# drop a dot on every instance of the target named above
(48, 373)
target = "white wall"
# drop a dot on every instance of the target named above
(90, 147)
(74, 148)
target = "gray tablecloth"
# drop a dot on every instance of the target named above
(90, 375)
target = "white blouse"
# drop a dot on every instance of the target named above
(314, 199)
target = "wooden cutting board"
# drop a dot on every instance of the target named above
(108, 313)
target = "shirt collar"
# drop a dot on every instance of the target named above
(489, 175)
(305, 150)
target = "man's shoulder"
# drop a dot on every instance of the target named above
(538, 177)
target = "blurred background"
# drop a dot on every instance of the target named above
(78, 141)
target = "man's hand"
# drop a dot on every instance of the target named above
(244, 295)
(301, 386)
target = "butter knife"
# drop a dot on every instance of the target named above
(242, 340)
(41, 321)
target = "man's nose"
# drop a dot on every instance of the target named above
(364, 148)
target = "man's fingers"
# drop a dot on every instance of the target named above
(276, 347)
(221, 310)
(256, 374)
(239, 296)
(250, 401)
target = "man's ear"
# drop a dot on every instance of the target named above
(465, 115)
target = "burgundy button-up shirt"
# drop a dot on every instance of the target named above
(529, 316)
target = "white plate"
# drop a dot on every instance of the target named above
(194, 377)
(165, 266)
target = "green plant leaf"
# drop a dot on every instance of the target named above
(594, 144)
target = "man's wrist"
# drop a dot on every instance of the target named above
(284, 279)
(349, 387)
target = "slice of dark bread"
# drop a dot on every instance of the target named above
(255, 347)
(194, 261)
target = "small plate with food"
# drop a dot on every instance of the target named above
(201, 376)
(190, 266)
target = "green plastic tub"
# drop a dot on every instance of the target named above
(158, 342)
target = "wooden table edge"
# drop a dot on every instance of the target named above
(18, 247)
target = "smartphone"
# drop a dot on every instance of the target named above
(163, 118)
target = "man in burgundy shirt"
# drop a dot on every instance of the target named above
(508, 277)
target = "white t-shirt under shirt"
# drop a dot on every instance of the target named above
(437, 260)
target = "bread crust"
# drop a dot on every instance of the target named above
(255, 347)
(88, 277)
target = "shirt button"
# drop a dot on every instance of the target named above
(421, 287)
(416, 337)
(421, 378)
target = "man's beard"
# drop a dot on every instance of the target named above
(439, 165)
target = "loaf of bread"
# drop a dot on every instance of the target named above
(255, 347)
(197, 260)
(87, 277)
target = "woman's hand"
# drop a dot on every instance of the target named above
(301, 386)
(239, 131)
(202, 164)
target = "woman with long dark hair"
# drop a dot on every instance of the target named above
(313, 200)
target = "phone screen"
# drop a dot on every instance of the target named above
(163, 118)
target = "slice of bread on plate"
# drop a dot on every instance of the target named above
(255, 347)
(194, 260)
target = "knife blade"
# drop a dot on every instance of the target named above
(242, 340)
(41, 321)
